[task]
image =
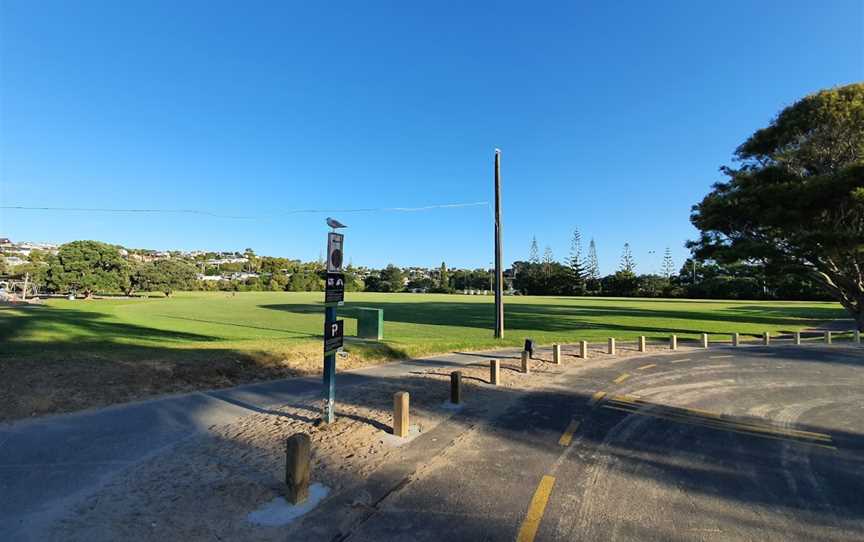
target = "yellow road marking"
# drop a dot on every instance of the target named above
(535, 510)
(625, 398)
(567, 437)
(621, 378)
(680, 360)
(597, 397)
(647, 366)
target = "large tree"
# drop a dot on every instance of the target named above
(796, 200)
(166, 276)
(87, 267)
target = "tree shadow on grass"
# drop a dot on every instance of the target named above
(573, 316)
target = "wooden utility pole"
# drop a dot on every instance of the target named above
(499, 271)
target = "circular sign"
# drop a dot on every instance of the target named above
(336, 259)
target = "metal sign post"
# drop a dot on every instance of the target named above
(334, 293)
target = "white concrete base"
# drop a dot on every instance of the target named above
(278, 512)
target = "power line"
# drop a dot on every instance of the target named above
(240, 217)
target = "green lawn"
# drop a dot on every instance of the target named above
(415, 324)
(68, 355)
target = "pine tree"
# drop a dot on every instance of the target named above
(628, 264)
(576, 265)
(443, 277)
(548, 260)
(668, 264)
(534, 253)
(592, 266)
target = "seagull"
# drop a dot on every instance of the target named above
(335, 224)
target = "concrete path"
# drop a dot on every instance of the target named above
(47, 464)
(749, 443)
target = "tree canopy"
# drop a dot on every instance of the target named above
(795, 202)
(165, 276)
(87, 267)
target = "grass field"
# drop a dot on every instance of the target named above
(134, 347)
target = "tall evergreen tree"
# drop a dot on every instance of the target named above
(576, 265)
(534, 253)
(628, 264)
(548, 260)
(592, 266)
(668, 264)
(443, 277)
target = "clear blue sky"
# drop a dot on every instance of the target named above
(612, 116)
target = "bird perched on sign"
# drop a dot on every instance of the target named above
(335, 224)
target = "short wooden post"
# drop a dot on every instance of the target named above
(766, 338)
(400, 414)
(856, 336)
(298, 452)
(456, 387)
(736, 339)
(583, 349)
(611, 346)
(827, 337)
(797, 337)
(494, 371)
(673, 342)
(525, 368)
(642, 343)
(704, 340)
(556, 354)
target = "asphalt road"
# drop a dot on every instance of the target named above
(753, 443)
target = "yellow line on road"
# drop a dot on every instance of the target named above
(597, 397)
(567, 437)
(621, 378)
(535, 510)
(680, 360)
(647, 366)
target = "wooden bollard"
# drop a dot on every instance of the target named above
(583, 349)
(556, 354)
(525, 368)
(400, 414)
(736, 339)
(766, 338)
(856, 336)
(797, 337)
(827, 337)
(494, 371)
(642, 343)
(456, 387)
(298, 452)
(673, 342)
(611, 350)
(704, 340)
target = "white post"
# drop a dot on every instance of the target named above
(827, 337)
(583, 349)
(704, 340)
(797, 338)
(856, 336)
(736, 339)
(766, 338)
(642, 343)
(673, 342)
(556, 354)
(612, 346)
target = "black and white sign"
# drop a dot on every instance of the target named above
(334, 292)
(333, 336)
(334, 252)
